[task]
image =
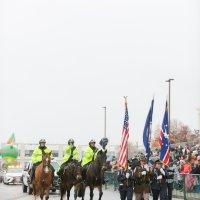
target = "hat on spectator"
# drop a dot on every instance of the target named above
(158, 161)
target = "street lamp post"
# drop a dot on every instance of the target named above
(169, 81)
(104, 121)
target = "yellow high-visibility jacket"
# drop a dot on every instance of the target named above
(68, 151)
(88, 155)
(37, 154)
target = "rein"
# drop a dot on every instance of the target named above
(97, 167)
(72, 170)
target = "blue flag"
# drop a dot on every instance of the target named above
(147, 131)
(164, 138)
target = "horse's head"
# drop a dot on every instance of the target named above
(73, 170)
(78, 172)
(46, 159)
(101, 159)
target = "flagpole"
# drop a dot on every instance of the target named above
(105, 121)
(125, 98)
(169, 107)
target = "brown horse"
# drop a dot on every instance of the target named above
(43, 178)
(95, 173)
(71, 176)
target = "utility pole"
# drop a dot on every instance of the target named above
(169, 108)
(104, 120)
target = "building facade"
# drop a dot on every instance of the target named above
(26, 150)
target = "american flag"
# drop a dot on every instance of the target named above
(164, 139)
(123, 156)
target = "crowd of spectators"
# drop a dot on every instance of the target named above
(186, 158)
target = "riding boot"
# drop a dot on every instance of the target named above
(52, 178)
(52, 173)
(84, 172)
(32, 174)
(59, 172)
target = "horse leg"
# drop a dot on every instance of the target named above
(83, 195)
(62, 192)
(35, 191)
(91, 192)
(75, 192)
(41, 196)
(79, 191)
(100, 192)
(42, 193)
(68, 192)
(47, 194)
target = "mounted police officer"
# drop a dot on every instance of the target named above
(126, 183)
(70, 153)
(158, 181)
(142, 179)
(88, 156)
(37, 158)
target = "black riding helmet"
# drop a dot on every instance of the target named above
(70, 141)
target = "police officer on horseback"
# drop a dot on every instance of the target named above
(88, 156)
(70, 153)
(37, 158)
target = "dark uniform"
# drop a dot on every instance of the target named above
(170, 181)
(158, 183)
(126, 182)
(142, 182)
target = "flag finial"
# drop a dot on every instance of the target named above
(125, 98)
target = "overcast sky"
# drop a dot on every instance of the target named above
(61, 61)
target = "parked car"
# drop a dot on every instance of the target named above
(26, 177)
(12, 176)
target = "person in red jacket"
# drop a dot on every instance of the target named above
(186, 168)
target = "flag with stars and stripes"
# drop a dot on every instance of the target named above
(164, 138)
(123, 154)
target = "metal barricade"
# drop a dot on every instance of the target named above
(111, 180)
(188, 187)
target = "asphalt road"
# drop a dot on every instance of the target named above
(14, 192)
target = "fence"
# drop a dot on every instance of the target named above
(186, 186)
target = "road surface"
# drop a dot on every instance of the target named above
(14, 192)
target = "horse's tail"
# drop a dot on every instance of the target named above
(81, 190)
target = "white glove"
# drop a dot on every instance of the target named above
(144, 172)
(159, 177)
(162, 171)
(146, 167)
(127, 175)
